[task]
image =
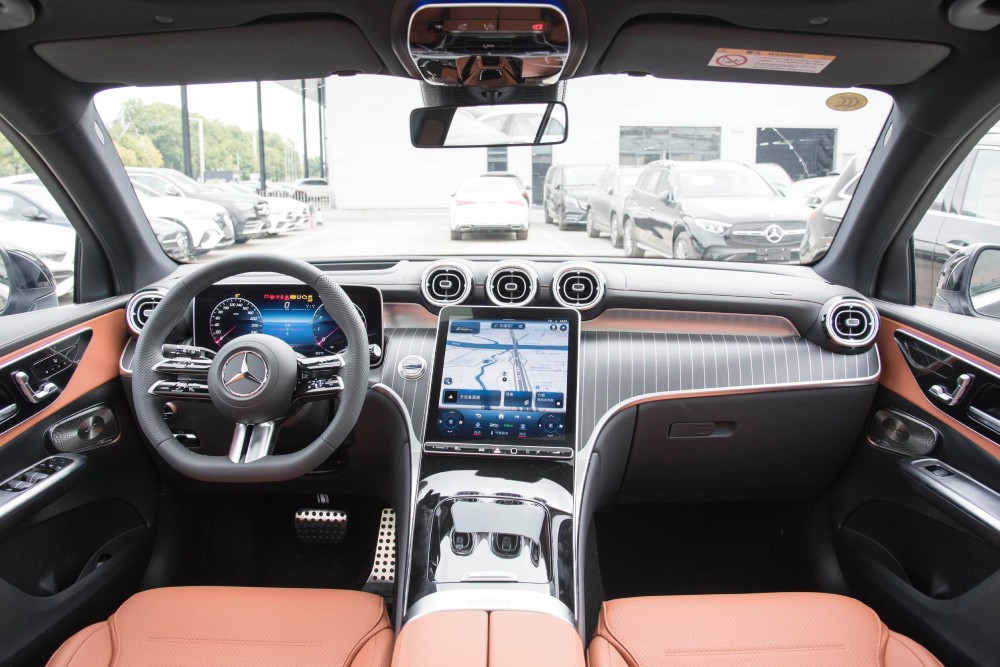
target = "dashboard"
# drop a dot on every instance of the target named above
(291, 312)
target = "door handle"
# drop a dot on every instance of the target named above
(955, 246)
(8, 412)
(23, 383)
(955, 396)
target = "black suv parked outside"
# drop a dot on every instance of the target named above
(567, 188)
(718, 209)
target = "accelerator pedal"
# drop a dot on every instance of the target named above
(383, 574)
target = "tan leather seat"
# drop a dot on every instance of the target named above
(236, 627)
(774, 629)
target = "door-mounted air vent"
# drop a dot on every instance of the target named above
(512, 284)
(446, 283)
(579, 286)
(140, 308)
(850, 322)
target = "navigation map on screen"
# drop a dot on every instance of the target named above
(504, 379)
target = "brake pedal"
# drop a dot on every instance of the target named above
(383, 574)
(320, 526)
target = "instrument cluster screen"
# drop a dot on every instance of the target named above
(293, 313)
(505, 379)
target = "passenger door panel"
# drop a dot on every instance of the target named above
(79, 538)
(917, 521)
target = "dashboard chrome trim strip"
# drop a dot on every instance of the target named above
(690, 322)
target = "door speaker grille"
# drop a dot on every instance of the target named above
(901, 434)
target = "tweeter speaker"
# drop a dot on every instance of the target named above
(85, 431)
(900, 433)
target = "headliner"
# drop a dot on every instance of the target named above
(905, 47)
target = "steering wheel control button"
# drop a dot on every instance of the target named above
(183, 366)
(245, 374)
(320, 386)
(189, 389)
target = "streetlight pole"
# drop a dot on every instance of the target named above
(201, 147)
(305, 134)
(260, 141)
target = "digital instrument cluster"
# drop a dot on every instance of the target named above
(293, 313)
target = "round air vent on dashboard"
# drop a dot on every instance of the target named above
(446, 283)
(579, 286)
(850, 322)
(512, 284)
(140, 308)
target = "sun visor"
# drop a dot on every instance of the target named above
(683, 50)
(258, 52)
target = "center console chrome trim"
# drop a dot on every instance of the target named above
(498, 598)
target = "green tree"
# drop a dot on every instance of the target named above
(138, 151)
(149, 134)
(158, 121)
(11, 162)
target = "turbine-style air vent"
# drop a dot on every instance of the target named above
(512, 284)
(446, 283)
(579, 286)
(140, 308)
(850, 322)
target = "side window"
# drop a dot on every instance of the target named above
(982, 194)
(946, 193)
(38, 243)
(647, 182)
(965, 213)
(158, 185)
(663, 185)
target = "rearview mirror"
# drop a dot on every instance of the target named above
(172, 191)
(537, 124)
(970, 282)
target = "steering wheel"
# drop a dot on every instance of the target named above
(255, 379)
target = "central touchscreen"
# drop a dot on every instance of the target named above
(504, 375)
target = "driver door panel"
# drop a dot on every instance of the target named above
(75, 538)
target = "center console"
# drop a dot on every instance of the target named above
(493, 517)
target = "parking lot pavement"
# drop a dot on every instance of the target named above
(365, 233)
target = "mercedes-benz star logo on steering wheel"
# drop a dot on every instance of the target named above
(244, 374)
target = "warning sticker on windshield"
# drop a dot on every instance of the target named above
(778, 61)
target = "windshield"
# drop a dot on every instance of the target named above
(627, 179)
(721, 182)
(577, 176)
(341, 147)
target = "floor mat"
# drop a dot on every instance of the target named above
(697, 548)
(250, 541)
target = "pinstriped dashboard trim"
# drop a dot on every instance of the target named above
(618, 367)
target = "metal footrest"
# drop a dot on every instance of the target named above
(383, 574)
(319, 526)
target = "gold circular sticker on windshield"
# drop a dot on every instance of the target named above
(847, 101)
